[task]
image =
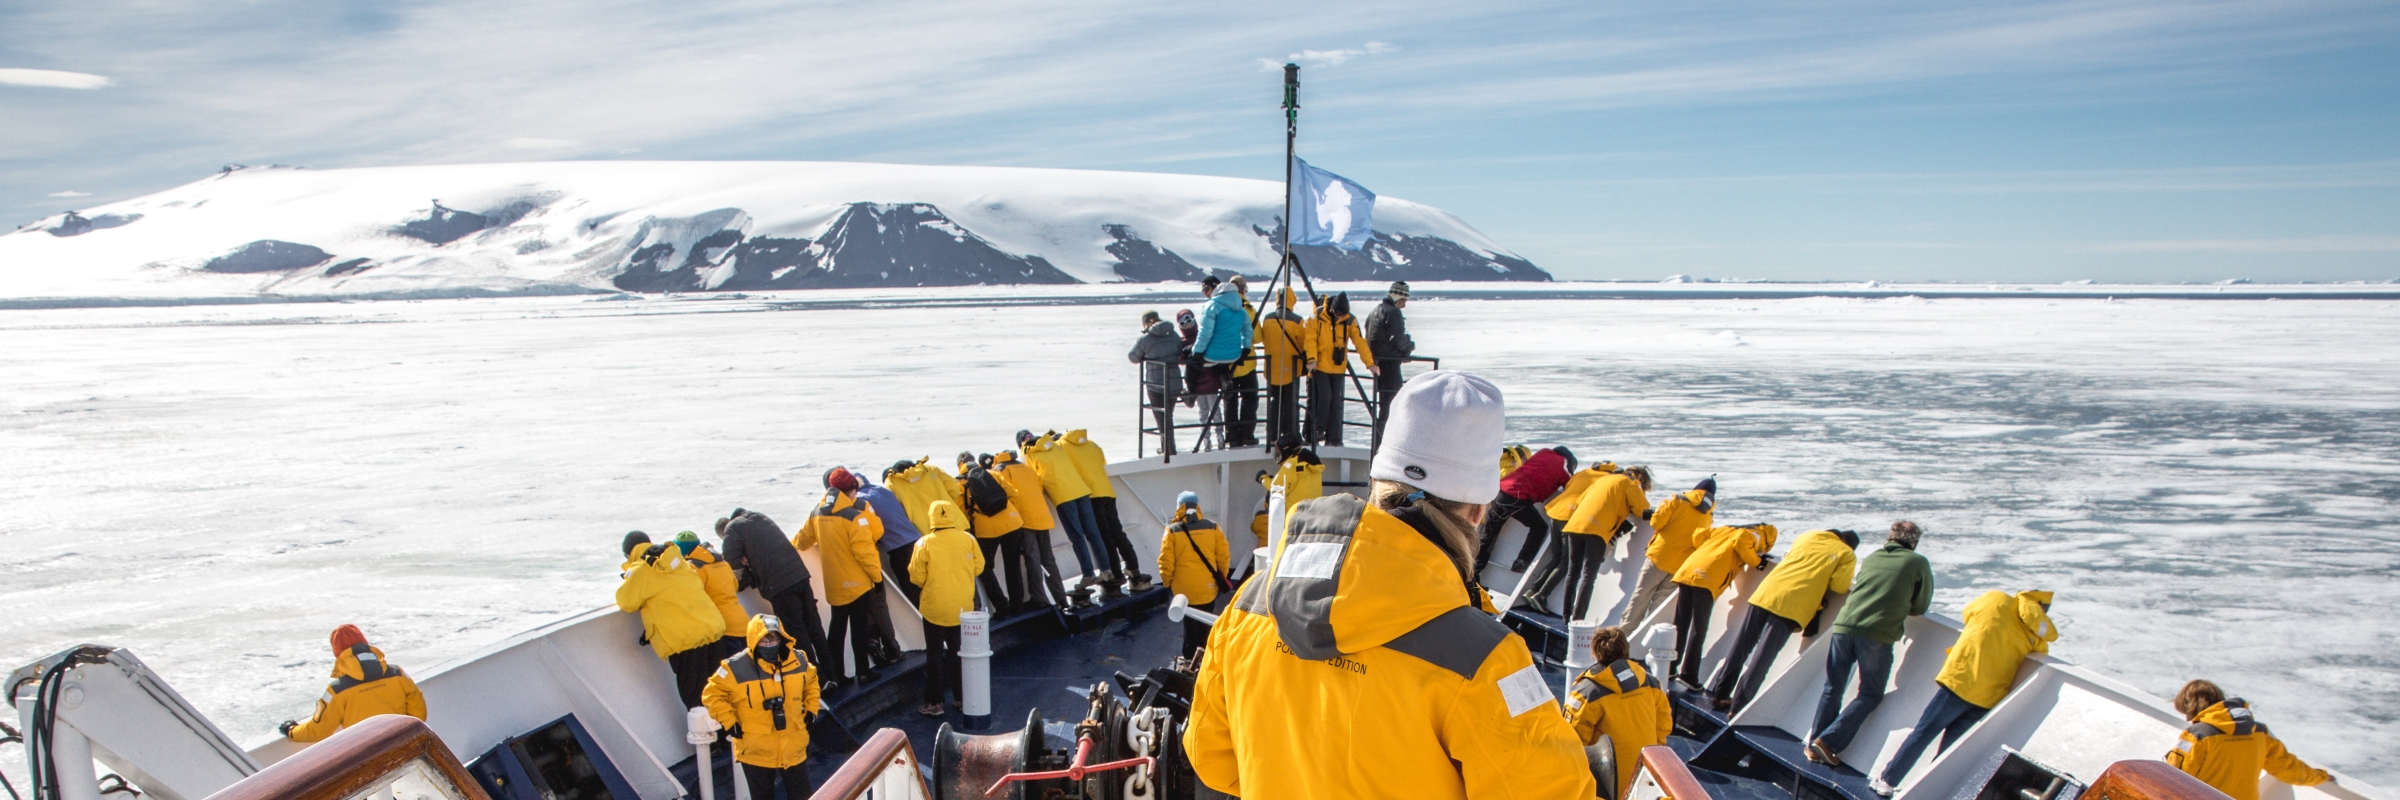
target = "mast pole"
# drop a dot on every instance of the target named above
(1290, 263)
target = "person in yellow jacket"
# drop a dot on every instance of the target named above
(945, 562)
(1283, 340)
(1512, 457)
(2001, 630)
(1609, 508)
(1301, 476)
(679, 622)
(992, 516)
(2226, 747)
(919, 485)
(1619, 698)
(1722, 552)
(724, 589)
(1332, 336)
(1672, 527)
(1066, 489)
(1194, 561)
(1820, 565)
(845, 530)
(1041, 558)
(764, 698)
(1365, 628)
(1091, 462)
(1551, 565)
(364, 684)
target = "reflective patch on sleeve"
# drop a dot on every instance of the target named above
(1319, 560)
(1524, 690)
(2183, 745)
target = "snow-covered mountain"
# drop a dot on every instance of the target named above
(566, 227)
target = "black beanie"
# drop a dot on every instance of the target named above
(1708, 485)
(633, 540)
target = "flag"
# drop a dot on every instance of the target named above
(1328, 209)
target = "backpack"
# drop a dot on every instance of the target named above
(985, 495)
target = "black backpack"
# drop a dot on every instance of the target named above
(985, 495)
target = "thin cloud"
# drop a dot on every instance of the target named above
(2313, 244)
(70, 193)
(52, 79)
(1327, 58)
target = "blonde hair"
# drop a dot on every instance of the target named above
(1450, 518)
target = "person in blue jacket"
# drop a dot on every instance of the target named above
(900, 535)
(1224, 340)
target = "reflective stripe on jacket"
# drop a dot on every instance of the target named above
(1357, 668)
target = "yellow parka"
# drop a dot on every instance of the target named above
(364, 685)
(2001, 630)
(1512, 457)
(848, 529)
(673, 601)
(1249, 362)
(1562, 507)
(945, 563)
(1607, 503)
(1721, 554)
(738, 693)
(2226, 748)
(1193, 572)
(1060, 479)
(1330, 341)
(1675, 523)
(1622, 701)
(989, 526)
(1301, 482)
(919, 487)
(724, 587)
(1090, 462)
(1356, 668)
(1284, 337)
(1024, 490)
(1819, 562)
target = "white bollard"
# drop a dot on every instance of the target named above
(1659, 640)
(975, 668)
(1181, 607)
(1579, 651)
(700, 730)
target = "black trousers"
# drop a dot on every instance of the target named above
(895, 571)
(1585, 554)
(1506, 508)
(941, 662)
(1162, 412)
(1387, 385)
(1761, 638)
(1693, 605)
(1112, 533)
(797, 607)
(1283, 409)
(1553, 567)
(1241, 410)
(1001, 554)
(1195, 632)
(1041, 561)
(869, 622)
(762, 781)
(692, 668)
(1325, 407)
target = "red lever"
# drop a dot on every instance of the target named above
(1075, 771)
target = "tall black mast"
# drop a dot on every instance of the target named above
(1290, 263)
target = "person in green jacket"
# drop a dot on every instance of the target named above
(1893, 584)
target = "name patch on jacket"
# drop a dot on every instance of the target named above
(1524, 690)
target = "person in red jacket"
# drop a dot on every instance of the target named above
(1522, 493)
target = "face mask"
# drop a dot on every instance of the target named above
(772, 653)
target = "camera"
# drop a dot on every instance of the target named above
(774, 705)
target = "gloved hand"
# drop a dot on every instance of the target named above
(644, 639)
(286, 727)
(735, 731)
(1646, 515)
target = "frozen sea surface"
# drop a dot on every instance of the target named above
(2209, 485)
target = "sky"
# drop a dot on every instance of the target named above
(2110, 140)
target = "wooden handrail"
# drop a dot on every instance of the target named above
(1673, 777)
(2147, 779)
(353, 760)
(860, 772)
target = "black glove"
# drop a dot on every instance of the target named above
(286, 727)
(644, 639)
(735, 731)
(1645, 515)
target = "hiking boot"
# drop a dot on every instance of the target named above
(1818, 752)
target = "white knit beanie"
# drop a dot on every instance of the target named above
(1443, 436)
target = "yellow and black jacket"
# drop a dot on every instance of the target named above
(1192, 556)
(1359, 667)
(1674, 525)
(847, 530)
(364, 685)
(2226, 748)
(1624, 702)
(739, 694)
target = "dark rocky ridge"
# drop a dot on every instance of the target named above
(1401, 257)
(267, 255)
(869, 245)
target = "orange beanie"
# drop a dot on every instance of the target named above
(345, 636)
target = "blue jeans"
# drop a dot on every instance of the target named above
(1083, 531)
(1837, 724)
(1947, 714)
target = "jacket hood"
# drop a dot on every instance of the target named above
(1162, 328)
(2226, 713)
(758, 630)
(1003, 458)
(1226, 299)
(1288, 298)
(945, 516)
(346, 665)
(1078, 437)
(1705, 502)
(1352, 578)
(1766, 536)
(667, 561)
(2034, 617)
(1041, 445)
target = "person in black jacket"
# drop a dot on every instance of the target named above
(762, 558)
(1160, 352)
(1387, 340)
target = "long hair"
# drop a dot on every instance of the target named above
(1454, 520)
